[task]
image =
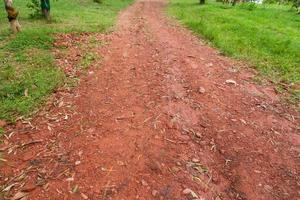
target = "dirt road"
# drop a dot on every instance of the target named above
(163, 116)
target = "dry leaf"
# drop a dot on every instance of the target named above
(19, 195)
(26, 92)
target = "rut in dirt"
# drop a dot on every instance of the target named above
(163, 116)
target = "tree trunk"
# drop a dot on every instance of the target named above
(45, 6)
(202, 2)
(12, 15)
(234, 2)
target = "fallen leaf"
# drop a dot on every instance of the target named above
(8, 188)
(75, 189)
(84, 196)
(60, 104)
(19, 195)
(26, 92)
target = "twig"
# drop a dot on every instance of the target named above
(171, 141)
(30, 143)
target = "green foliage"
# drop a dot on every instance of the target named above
(98, 1)
(248, 6)
(35, 7)
(296, 4)
(28, 74)
(1, 132)
(267, 37)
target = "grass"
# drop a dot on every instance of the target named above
(28, 74)
(266, 36)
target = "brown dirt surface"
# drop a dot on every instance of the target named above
(160, 116)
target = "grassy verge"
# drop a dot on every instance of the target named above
(27, 70)
(267, 36)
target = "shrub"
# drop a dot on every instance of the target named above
(248, 6)
(296, 4)
(35, 7)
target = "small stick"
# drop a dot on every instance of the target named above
(171, 141)
(30, 143)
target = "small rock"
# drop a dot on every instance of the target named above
(209, 64)
(188, 191)
(144, 183)
(121, 163)
(198, 135)
(77, 162)
(230, 81)
(154, 193)
(243, 121)
(201, 90)
(80, 153)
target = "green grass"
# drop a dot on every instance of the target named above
(266, 36)
(28, 74)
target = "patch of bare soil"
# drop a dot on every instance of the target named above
(161, 116)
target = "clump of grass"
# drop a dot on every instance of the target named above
(267, 36)
(28, 74)
(1, 132)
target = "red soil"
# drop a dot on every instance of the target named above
(153, 118)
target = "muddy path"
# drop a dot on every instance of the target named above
(162, 116)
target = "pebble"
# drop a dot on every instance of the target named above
(230, 81)
(144, 183)
(154, 193)
(190, 192)
(198, 135)
(201, 90)
(77, 162)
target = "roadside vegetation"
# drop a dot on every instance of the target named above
(265, 35)
(28, 74)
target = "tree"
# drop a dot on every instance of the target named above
(202, 2)
(296, 4)
(12, 15)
